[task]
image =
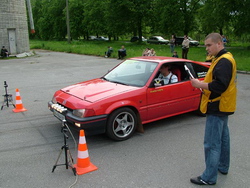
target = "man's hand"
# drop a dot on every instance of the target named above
(198, 84)
(195, 82)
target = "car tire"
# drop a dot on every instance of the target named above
(121, 124)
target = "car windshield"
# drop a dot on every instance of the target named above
(131, 72)
(160, 38)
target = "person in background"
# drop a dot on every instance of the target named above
(172, 44)
(152, 52)
(218, 102)
(185, 47)
(122, 53)
(4, 52)
(224, 40)
(175, 54)
(146, 52)
(109, 52)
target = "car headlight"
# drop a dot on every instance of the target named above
(79, 112)
(54, 100)
(84, 113)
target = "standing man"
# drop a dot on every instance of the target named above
(172, 44)
(218, 101)
(185, 47)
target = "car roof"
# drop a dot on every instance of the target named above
(159, 59)
(164, 59)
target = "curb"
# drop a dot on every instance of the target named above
(243, 72)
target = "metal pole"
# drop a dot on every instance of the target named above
(67, 21)
(32, 28)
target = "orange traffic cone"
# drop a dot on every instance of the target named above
(19, 104)
(83, 165)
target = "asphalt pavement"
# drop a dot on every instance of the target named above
(167, 155)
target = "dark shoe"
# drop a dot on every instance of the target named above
(224, 173)
(199, 181)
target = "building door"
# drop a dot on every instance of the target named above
(12, 40)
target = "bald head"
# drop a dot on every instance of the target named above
(215, 37)
(213, 43)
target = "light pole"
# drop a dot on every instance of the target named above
(67, 20)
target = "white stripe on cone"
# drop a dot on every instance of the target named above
(83, 154)
(18, 102)
(82, 140)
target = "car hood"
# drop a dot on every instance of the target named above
(97, 89)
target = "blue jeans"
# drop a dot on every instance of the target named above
(172, 48)
(216, 147)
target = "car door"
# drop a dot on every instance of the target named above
(153, 40)
(171, 99)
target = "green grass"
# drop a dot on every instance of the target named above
(97, 48)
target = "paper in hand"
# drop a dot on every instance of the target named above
(188, 71)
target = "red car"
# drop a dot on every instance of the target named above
(128, 96)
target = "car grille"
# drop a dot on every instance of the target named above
(69, 109)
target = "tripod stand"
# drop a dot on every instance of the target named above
(65, 147)
(7, 97)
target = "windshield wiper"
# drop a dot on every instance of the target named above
(105, 79)
(113, 81)
(119, 83)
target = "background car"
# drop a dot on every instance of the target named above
(136, 38)
(101, 38)
(91, 37)
(157, 40)
(192, 42)
(129, 96)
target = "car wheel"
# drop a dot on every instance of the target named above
(121, 124)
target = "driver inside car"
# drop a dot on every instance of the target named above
(166, 75)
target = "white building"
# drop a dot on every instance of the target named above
(14, 26)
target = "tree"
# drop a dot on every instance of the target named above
(76, 14)
(49, 19)
(216, 15)
(141, 11)
(241, 15)
(94, 17)
(175, 16)
(116, 18)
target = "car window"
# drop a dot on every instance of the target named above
(160, 38)
(176, 68)
(131, 72)
(200, 71)
(197, 70)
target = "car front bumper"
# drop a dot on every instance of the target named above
(91, 125)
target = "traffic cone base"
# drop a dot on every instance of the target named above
(85, 170)
(19, 110)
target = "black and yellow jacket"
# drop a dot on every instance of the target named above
(220, 98)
